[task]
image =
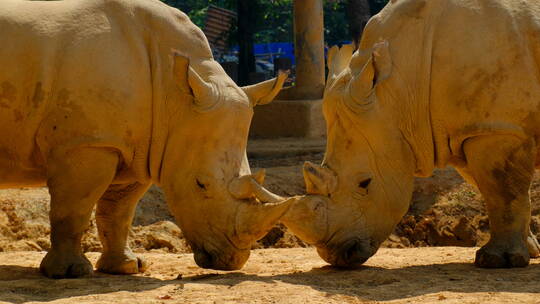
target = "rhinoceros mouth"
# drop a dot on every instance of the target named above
(219, 260)
(351, 253)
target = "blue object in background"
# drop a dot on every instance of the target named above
(275, 50)
(265, 53)
(281, 49)
(269, 51)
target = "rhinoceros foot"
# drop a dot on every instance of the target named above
(491, 256)
(58, 266)
(121, 264)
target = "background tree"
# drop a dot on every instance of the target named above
(358, 14)
(247, 25)
(266, 21)
(272, 20)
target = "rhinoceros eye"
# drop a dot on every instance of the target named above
(363, 186)
(200, 184)
(365, 183)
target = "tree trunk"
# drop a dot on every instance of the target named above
(246, 31)
(358, 14)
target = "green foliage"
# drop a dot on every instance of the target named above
(275, 21)
(274, 18)
(336, 27)
(196, 9)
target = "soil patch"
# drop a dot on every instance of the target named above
(297, 275)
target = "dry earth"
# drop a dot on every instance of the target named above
(445, 211)
(297, 275)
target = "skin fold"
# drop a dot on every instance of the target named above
(433, 84)
(99, 100)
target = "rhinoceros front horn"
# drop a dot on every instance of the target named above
(261, 209)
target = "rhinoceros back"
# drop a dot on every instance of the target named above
(485, 68)
(77, 72)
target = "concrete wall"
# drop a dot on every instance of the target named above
(288, 118)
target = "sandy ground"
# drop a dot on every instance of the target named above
(298, 275)
(445, 211)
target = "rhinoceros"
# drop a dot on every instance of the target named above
(433, 84)
(99, 99)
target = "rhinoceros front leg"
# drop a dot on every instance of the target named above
(502, 168)
(115, 211)
(76, 178)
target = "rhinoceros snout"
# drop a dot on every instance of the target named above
(232, 261)
(352, 254)
(203, 258)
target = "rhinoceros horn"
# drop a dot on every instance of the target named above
(261, 210)
(249, 186)
(319, 180)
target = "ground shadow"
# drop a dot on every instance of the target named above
(23, 284)
(372, 283)
(366, 283)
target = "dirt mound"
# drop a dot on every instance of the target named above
(445, 211)
(24, 223)
(414, 275)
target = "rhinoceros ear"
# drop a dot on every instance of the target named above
(264, 92)
(205, 94)
(337, 60)
(376, 69)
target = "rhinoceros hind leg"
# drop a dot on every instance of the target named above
(114, 214)
(502, 167)
(502, 256)
(76, 178)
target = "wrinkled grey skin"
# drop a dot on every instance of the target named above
(433, 83)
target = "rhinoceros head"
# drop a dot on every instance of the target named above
(364, 184)
(220, 206)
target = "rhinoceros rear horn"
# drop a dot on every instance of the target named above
(319, 180)
(205, 94)
(264, 92)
